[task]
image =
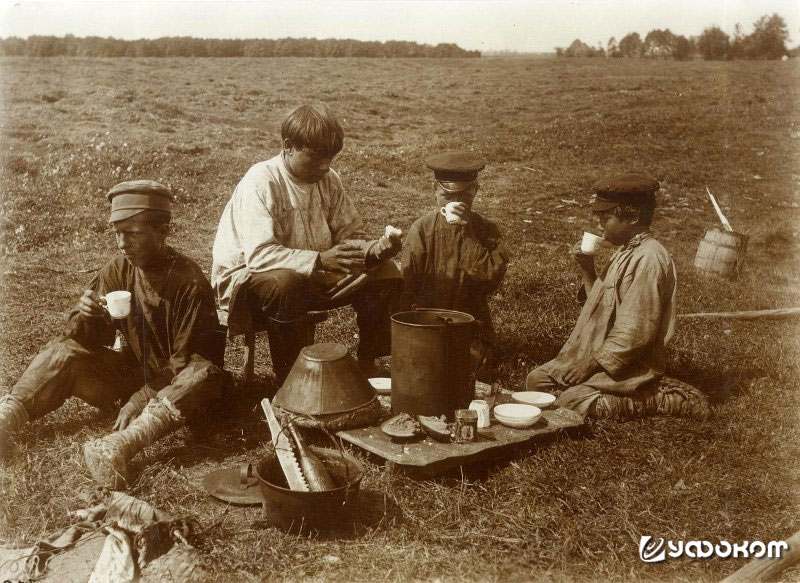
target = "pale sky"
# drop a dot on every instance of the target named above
(486, 25)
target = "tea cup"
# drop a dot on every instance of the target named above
(118, 303)
(590, 243)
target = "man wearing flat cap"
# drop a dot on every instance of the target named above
(170, 365)
(454, 258)
(614, 361)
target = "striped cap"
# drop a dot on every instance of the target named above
(135, 196)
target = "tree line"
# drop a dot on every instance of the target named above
(767, 41)
(95, 46)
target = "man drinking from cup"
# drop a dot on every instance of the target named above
(170, 366)
(614, 361)
(454, 257)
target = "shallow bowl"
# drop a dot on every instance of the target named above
(535, 398)
(516, 423)
(517, 415)
(382, 385)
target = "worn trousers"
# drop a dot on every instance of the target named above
(64, 368)
(285, 295)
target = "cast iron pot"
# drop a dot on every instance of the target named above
(301, 511)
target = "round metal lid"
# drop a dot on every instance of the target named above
(324, 351)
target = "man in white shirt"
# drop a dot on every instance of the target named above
(289, 238)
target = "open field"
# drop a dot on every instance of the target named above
(572, 510)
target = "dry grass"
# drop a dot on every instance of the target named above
(572, 509)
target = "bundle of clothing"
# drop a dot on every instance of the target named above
(117, 538)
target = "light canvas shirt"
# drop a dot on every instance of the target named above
(627, 321)
(272, 221)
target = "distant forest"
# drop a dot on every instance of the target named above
(767, 41)
(95, 46)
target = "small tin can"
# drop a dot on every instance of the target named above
(465, 428)
(482, 408)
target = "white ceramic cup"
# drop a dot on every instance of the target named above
(482, 408)
(118, 303)
(450, 216)
(590, 243)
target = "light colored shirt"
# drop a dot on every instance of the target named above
(627, 321)
(272, 221)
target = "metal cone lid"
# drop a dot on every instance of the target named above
(324, 379)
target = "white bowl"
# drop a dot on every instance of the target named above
(516, 423)
(382, 385)
(535, 398)
(517, 415)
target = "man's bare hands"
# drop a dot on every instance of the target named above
(90, 306)
(130, 411)
(459, 210)
(584, 261)
(343, 258)
(581, 370)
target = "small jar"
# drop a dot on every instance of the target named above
(465, 428)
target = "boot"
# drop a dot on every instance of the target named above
(108, 457)
(286, 340)
(668, 397)
(13, 415)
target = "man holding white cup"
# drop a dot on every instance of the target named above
(170, 366)
(613, 363)
(454, 257)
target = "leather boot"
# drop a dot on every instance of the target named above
(286, 340)
(667, 397)
(108, 457)
(13, 415)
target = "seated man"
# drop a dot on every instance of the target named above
(613, 362)
(290, 241)
(170, 366)
(455, 258)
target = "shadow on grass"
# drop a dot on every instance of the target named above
(370, 511)
(720, 386)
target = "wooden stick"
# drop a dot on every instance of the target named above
(722, 218)
(776, 314)
(764, 569)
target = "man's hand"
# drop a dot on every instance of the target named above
(89, 305)
(461, 210)
(584, 261)
(130, 411)
(386, 247)
(343, 258)
(581, 370)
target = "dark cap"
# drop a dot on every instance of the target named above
(630, 188)
(455, 171)
(135, 196)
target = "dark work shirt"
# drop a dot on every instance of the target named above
(173, 315)
(452, 267)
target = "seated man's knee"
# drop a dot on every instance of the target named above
(198, 383)
(199, 370)
(280, 293)
(539, 380)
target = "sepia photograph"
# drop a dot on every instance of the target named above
(399, 290)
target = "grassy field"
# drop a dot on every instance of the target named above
(571, 510)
